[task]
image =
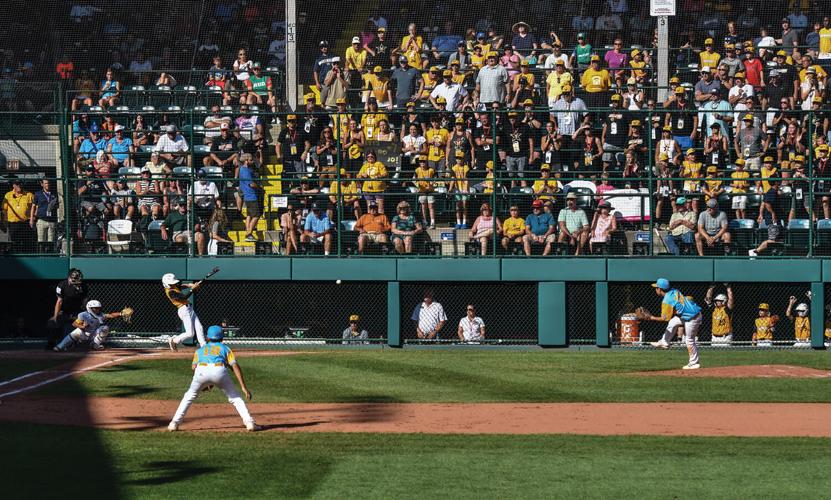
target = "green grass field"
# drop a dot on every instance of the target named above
(69, 462)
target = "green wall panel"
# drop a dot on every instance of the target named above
(601, 314)
(240, 268)
(394, 314)
(553, 269)
(673, 269)
(784, 270)
(357, 269)
(134, 268)
(468, 269)
(551, 307)
(17, 268)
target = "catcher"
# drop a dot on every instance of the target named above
(90, 327)
(676, 310)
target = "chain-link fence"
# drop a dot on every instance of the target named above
(733, 314)
(502, 313)
(580, 307)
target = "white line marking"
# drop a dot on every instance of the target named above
(13, 380)
(70, 374)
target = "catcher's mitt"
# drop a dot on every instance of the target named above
(127, 314)
(641, 313)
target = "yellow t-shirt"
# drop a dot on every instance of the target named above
(555, 83)
(722, 324)
(825, 41)
(528, 77)
(802, 328)
(765, 327)
(340, 125)
(175, 296)
(541, 184)
(349, 190)
(638, 70)
(488, 183)
(355, 59)
(690, 170)
(767, 173)
(17, 208)
(377, 86)
(709, 60)
(739, 185)
(372, 171)
(596, 81)
(437, 143)
(820, 73)
(424, 186)
(712, 185)
(413, 54)
(513, 226)
(460, 172)
(429, 85)
(478, 60)
(369, 122)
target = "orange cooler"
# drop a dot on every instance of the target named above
(629, 330)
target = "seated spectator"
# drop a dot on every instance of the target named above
(377, 86)
(85, 89)
(484, 226)
(513, 229)
(372, 228)
(545, 188)
(574, 225)
(121, 148)
(603, 225)
(103, 167)
(89, 147)
(260, 89)
(318, 229)
(122, 199)
(204, 196)
(353, 333)
(343, 193)
(770, 212)
(375, 184)
(176, 227)
(165, 80)
(290, 226)
(217, 228)
(214, 121)
(712, 227)
(223, 150)
(44, 213)
(404, 229)
(110, 90)
(142, 132)
(471, 327)
(539, 229)
(682, 226)
(93, 191)
(149, 194)
(173, 148)
(250, 126)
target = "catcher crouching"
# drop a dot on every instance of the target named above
(678, 311)
(90, 327)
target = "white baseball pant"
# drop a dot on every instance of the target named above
(671, 330)
(192, 326)
(690, 334)
(722, 340)
(98, 337)
(212, 375)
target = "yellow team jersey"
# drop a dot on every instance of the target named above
(555, 83)
(176, 297)
(429, 85)
(437, 143)
(513, 226)
(767, 173)
(828, 329)
(802, 328)
(825, 41)
(373, 171)
(541, 184)
(17, 207)
(488, 183)
(377, 86)
(424, 186)
(460, 174)
(638, 70)
(712, 185)
(528, 77)
(691, 170)
(355, 59)
(739, 185)
(709, 60)
(340, 125)
(722, 324)
(596, 81)
(347, 188)
(369, 122)
(460, 78)
(413, 53)
(821, 74)
(477, 60)
(765, 327)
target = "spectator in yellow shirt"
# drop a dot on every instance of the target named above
(595, 81)
(376, 85)
(456, 75)
(374, 172)
(370, 122)
(709, 58)
(767, 171)
(343, 193)
(555, 81)
(638, 65)
(825, 39)
(437, 138)
(428, 82)
(412, 46)
(356, 56)
(739, 187)
(17, 204)
(459, 186)
(423, 177)
(545, 187)
(477, 59)
(712, 187)
(513, 228)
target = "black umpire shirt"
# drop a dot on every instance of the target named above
(74, 296)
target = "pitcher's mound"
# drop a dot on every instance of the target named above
(759, 371)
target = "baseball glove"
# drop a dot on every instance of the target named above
(127, 314)
(641, 313)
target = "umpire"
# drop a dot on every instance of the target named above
(72, 295)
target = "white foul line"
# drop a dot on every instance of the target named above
(13, 380)
(66, 375)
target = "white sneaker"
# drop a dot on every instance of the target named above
(253, 427)
(752, 253)
(172, 343)
(694, 366)
(172, 427)
(660, 344)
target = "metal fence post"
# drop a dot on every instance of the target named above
(818, 315)
(601, 313)
(394, 314)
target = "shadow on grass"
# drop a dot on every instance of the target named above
(166, 472)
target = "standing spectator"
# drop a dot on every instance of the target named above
(454, 94)
(574, 225)
(242, 66)
(406, 81)
(682, 226)
(770, 211)
(412, 46)
(539, 229)
(318, 229)
(739, 187)
(471, 327)
(249, 187)
(43, 215)
(748, 143)
(709, 58)
(372, 227)
(790, 37)
(825, 39)
(460, 56)
(335, 85)
(353, 334)
(524, 41)
(570, 113)
(423, 180)
(17, 207)
(754, 69)
(379, 50)
(555, 82)
(712, 227)
(616, 59)
(520, 150)
(376, 92)
(492, 83)
(683, 120)
(581, 58)
(375, 184)
(596, 81)
(292, 146)
(431, 318)
(437, 138)
(321, 68)
(730, 64)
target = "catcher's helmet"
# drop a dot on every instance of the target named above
(721, 298)
(75, 276)
(215, 332)
(169, 280)
(93, 304)
(803, 307)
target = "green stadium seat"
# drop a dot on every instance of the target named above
(743, 233)
(823, 237)
(799, 236)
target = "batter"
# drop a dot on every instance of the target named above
(179, 295)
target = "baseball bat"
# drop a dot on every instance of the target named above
(213, 271)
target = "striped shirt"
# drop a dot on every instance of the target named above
(429, 317)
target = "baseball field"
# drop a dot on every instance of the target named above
(449, 423)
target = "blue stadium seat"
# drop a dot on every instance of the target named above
(799, 237)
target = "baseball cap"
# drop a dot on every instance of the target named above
(536, 204)
(679, 90)
(712, 203)
(434, 69)
(823, 147)
(461, 43)
(377, 69)
(636, 123)
(489, 164)
(340, 100)
(381, 29)
(459, 121)
(571, 196)
(323, 43)
(747, 118)
(93, 129)
(354, 317)
(739, 75)
(528, 102)
(691, 151)
(708, 41)
(764, 306)
(667, 128)
(513, 114)
(634, 52)
(224, 126)
(309, 97)
(356, 39)
(566, 88)
(560, 62)
(545, 166)
(595, 58)
(455, 63)
(705, 69)
(402, 58)
(87, 168)
(616, 97)
(460, 154)
(119, 128)
(661, 283)
(201, 173)
(581, 35)
(410, 104)
(712, 169)
(481, 35)
(739, 161)
(768, 159)
(680, 200)
(290, 118)
(171, 128)
(523, 63)
(256, 65)
(782, 53)
(373, 204)
(447, 72)
(674, 79)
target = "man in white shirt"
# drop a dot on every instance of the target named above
(454, 94)
(204, 193)
(471, 327)
(557, 55)
(431, 318)
(172, 148)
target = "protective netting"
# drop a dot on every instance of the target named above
(580, 311)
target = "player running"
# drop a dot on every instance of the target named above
(676, 305)
(179, 295)
(89, 327)
(209, 367)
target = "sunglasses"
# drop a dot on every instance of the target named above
(470, 309)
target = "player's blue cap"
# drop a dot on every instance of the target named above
(662, 283)
(215, 333)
